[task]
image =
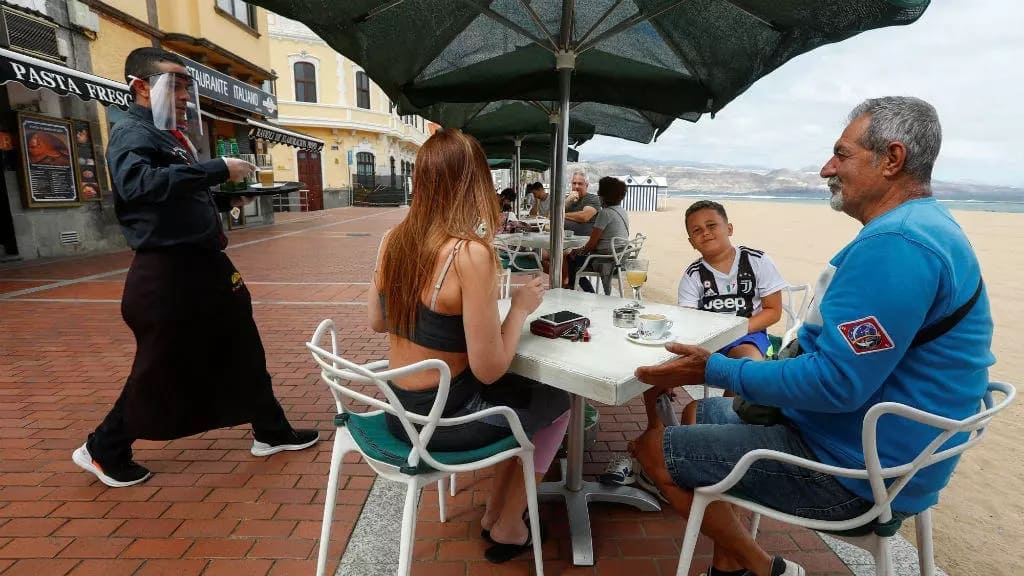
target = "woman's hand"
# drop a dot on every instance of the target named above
(527, 298)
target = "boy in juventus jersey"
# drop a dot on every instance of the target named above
(740, 281)
(728, 280)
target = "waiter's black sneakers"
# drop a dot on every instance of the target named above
(290, 440)
(114, 475)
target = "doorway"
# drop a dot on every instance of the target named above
(311, 174)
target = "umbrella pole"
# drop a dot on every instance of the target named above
(565, 63)
(553, 121)
(516, 173)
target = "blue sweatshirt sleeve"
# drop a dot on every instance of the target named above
(884, 284)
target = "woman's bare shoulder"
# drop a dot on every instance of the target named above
(475, 257)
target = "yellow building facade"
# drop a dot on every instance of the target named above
(218, 36)
(325, 95)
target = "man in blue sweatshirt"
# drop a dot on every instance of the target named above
(900, 315)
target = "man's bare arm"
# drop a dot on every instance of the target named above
(582, 216)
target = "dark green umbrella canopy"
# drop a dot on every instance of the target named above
(668, 56)
(503, 120)
(509, 118)
(536, 150)
(525, 163)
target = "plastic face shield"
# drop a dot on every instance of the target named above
(165, 91)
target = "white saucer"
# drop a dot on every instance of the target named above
(636, 339)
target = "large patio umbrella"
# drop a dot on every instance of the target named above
(673, 57)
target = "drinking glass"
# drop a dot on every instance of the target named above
(636, 275)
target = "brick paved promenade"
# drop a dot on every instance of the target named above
(211, 507)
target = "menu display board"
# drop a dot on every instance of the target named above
(48, 162)
(85, 158)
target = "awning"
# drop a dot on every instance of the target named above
(278, 135)
(213, 116)
(34, 74)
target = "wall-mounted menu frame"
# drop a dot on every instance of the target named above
(89, 187)
(47, 158)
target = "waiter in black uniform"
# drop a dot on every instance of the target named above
(199, 361)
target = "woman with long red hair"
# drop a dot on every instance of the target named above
(435, 291)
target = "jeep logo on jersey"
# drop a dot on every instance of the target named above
(726, 304)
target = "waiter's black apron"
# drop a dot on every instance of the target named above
(199, 363)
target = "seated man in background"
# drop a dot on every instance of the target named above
(923, 340)
(581, 207)
(611, 222)
(538, 198)
(508, 199)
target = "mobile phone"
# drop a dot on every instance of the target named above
(556, 318)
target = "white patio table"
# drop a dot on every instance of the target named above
(536, 221)
(540, 240)
(602, 370)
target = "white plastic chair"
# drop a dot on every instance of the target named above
(395, 460)
(519, 258)
(622, 249)
(505, 283)
(886, 483)
(795, 312)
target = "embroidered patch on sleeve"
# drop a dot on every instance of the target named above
(865, 335)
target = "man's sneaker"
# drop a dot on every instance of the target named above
(619, 472)
(290, 440)
(647, 484)
(115, 476)
(782, 567)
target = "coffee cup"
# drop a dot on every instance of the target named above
(653, 326)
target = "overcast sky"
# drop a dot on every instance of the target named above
(966, 57)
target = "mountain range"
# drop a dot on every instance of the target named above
(700, 178)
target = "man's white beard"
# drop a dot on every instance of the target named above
(836, 202)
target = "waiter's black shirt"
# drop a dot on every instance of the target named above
(162, 191)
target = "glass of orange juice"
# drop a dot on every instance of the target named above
(636, 276)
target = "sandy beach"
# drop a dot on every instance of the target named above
(979, 511)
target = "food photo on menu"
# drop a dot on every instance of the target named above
(88, 181)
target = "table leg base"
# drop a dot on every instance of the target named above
(577, 501)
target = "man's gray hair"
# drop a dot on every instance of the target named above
(905, 119)
(579, 173)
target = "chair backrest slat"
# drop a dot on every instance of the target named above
(883, 488)
(335, 369)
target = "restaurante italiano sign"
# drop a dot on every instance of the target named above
(232, 91)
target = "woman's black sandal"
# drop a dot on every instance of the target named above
(500, 552)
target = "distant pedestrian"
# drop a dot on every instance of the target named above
(199, 362)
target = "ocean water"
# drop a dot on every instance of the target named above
(952, 204)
